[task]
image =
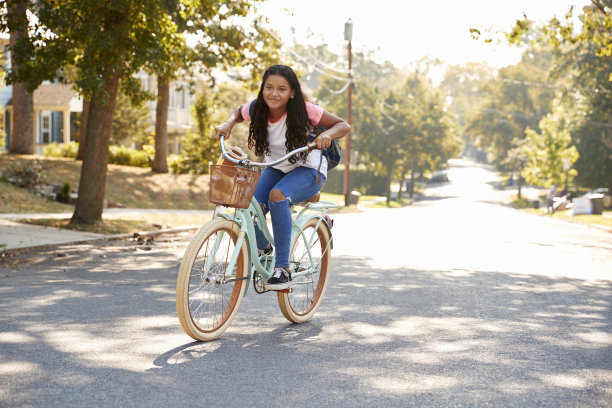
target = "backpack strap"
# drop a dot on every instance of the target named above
(252, 109)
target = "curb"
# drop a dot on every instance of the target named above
(153, 233)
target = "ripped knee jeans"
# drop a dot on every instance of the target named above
(297, 185)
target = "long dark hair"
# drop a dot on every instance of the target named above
(297, 117)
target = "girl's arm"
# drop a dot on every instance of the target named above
(336, 129)
(226, 127)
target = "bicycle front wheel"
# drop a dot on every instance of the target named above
(208, 290)
(310, 255)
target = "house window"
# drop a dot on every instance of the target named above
(183, 99)
(45, 127)
(172, 98)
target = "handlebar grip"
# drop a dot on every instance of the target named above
(312, 146)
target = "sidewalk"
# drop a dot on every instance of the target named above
(17, 235)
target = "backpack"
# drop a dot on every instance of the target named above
(332, 153)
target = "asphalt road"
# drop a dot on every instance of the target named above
(454, 301)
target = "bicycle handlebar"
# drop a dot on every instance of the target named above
(247, 162)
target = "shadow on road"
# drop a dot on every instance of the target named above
(107, 335)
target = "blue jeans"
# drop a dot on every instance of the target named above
(297, 185)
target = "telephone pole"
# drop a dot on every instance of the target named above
(348, 36)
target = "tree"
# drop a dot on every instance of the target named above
(547, 150)
(517, 159)
(212, 23)
(130, 122)
(515, 100)
(22, 133)
(397, 128)
(107, 42)
(583, 54)
(464, 86)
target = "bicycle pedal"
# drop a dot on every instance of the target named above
(287, 290)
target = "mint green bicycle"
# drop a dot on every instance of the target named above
(222, 260)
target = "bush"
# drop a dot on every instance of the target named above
(363, 181)
(63, 193)
(182, 164)
(69, 150)
(131, 157)
(28, 175)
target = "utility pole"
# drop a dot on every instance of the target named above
(348, 36)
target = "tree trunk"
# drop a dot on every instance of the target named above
(160, 164)
(411, 177)
(92, 184)
(389, 177)
(83, 129)
(22, 133)
(399, 191)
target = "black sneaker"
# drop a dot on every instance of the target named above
(279, 280)
(267, 251)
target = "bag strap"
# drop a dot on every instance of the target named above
(252, 109)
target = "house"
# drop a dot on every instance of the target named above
(56, 111)
(179, 109)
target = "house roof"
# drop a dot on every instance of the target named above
(51, 95)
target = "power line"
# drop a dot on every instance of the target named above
(315, 65)
(550, 86)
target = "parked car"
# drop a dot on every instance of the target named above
(439, 176)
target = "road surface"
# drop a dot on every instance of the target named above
(454, 301)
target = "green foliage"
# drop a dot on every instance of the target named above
(511, 104)
(463, 84)
(69, 150)
(212, 106)
(362, 180)
(582, 58)
(63, 193)
(131, 157)
(197, 154)
(131, 121)
(547, 150)
(403, 129)
(26, 174)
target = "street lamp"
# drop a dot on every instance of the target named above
(348, 36)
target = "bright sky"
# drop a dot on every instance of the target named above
(403, 31)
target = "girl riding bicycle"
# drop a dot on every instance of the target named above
(281, 117)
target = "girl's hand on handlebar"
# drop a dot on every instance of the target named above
(224, 129)
(323, 141)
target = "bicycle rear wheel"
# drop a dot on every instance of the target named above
(208, 295)
(311, 253)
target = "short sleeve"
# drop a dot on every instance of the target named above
(315, 112)
(245, 111)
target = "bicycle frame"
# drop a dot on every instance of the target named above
(244, 220)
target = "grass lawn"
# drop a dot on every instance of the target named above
(133, 187)
(604, 219)
(126, 223)
(19, 200)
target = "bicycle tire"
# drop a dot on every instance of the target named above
(205, 303)
(300, 305)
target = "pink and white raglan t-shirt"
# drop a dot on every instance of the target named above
(277, 136)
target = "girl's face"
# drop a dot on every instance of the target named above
(277, 92)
